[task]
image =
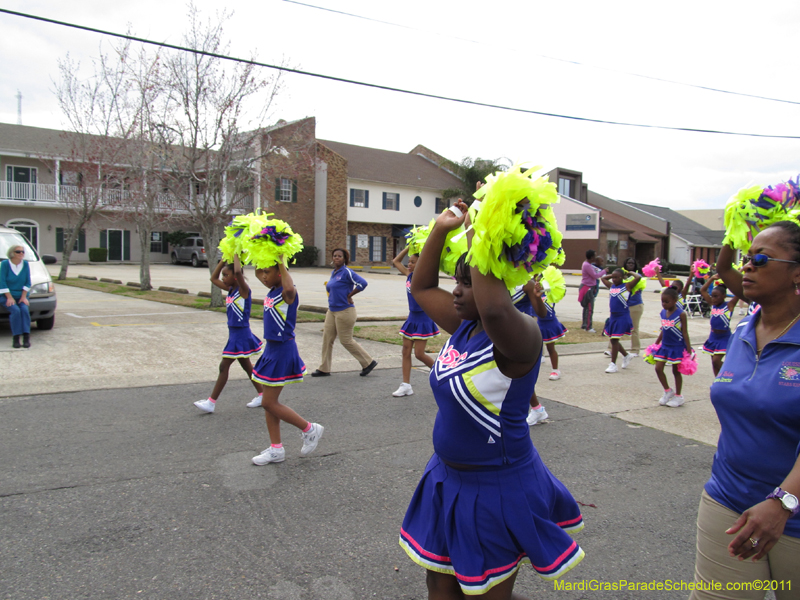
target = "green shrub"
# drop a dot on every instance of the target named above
(98, 254)
(176, 237)
(678, 269)
(307, 257)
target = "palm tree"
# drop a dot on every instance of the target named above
(470, 172)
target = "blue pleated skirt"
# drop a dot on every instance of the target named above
(619, 324)
(241, 343)
(552, 330)
(717, 343)
(419, 326)
(280, 364)
(481, 525)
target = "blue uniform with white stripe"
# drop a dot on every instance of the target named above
(672, 342)
(620, 322)
(521, 301)
(341, 282)
(486, 502)
(418, 326)
(241, 341)
(281, 363)
(720, 322)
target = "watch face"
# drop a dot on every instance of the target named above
(789, 501)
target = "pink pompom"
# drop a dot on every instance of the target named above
(688, 364)
(700, 268)
(649, 270)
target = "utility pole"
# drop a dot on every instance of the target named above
(19, 107)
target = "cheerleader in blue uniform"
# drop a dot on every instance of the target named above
(674, 339)
(417, 329)
(281, 365)
(242, 344)
(620, 323)
(486, 503)
(523, 297)
(721, 312)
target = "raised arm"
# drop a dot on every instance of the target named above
(686, 286)
(436, 302)
(289, 291)
(606, 279)
(704, 290)
(661, 281)
(244, 289)
(215, 276)
(397, 261)
(630, 284)
(535, 290)
(731, 277)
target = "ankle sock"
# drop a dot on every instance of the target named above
(212, 400)
(307, 429)
(276, 445)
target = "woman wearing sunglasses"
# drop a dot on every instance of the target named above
(15, 283)
(748, 529)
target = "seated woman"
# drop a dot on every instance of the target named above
(15, 283)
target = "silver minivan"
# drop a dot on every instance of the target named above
(43, 293)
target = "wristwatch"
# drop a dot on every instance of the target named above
(788, 501)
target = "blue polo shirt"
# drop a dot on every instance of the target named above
(757, 400)
(341, 283)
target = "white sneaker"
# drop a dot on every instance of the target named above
(205, 405)
(403, 390)
(612, 368)
(607, 353)
(592, 331)
(668, 394)
(311, 439)
(536, 415)
(626, 360)
(255, 402)
(555, 375)
(676, 401)
(270, 455)
(633, 354)
(741, 312)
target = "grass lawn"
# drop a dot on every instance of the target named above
(389, 334)
(257, 311)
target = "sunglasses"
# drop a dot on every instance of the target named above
(19, 251)
(761, 260)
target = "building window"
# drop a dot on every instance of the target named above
(29, 229)
(442, 205)
(417, 201)
(377, 249)
(565, 187)
(359, 198)
(285, 190)
(156, 240)
(62, 236)
(612, 247)
(391, 201)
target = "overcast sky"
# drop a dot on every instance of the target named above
(493, 52)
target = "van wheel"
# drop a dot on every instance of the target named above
(174, 259)
(195, 262)
(46, 324)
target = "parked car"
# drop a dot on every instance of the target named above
(191, 250)
(42, 296)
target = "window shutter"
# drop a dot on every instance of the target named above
(397, 201)
(126, 245)
(352, 247)
(59, 239)
(104, 239)
(82, 241)
(383, 249)
(370, 247)
(294, 190)
(366, 198)
(352, 197)
(278, 190)
(164, 244)
(384, 201)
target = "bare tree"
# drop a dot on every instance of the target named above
(98, 113)
(211, 135)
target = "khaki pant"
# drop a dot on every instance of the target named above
(713, 563)
(341, 323)
(636, 316)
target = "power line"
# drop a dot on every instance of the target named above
(548, 57)
(384, 87)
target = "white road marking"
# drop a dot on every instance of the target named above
(186, 312)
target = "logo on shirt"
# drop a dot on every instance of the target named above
(450, 358)
(790, 371)
(269, 302)
(724, 377)
(408, 286)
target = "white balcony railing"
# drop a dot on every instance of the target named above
(46, 193)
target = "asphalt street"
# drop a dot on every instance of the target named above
(113, 485)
